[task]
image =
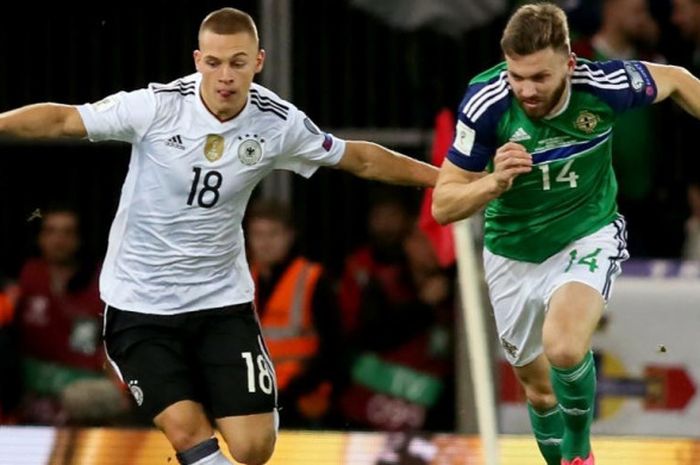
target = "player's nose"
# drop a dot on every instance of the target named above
(227, 74)
(528, 90)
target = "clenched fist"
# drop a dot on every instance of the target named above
(510, 161)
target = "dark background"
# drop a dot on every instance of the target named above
(349, 70)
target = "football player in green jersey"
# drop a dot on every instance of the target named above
(533, 144)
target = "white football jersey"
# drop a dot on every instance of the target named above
(176, 242)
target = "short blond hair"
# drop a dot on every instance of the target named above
(535, 27)
(229, 21)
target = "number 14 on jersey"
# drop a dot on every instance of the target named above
(565, 175)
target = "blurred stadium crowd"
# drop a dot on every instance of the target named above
(376, 303)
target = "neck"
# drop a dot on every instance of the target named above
(264, 270)
(60, 274)
(563, 101)
(226, 113)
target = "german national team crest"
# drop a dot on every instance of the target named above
(136, 391)
(214, 147)
(587, 121)
(250, 152)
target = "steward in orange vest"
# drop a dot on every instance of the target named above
(299, 317)
(287, 320)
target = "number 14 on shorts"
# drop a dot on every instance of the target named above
(590, 260)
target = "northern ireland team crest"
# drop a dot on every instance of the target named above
(250, 151)
(587, 121)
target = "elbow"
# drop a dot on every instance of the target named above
(440, 217)
(439, 211)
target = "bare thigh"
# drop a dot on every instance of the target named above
(574, 312)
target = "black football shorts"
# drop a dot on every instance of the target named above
(215, 357)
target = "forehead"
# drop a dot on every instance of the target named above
(534, 63)
(59, 219)
(227, 45)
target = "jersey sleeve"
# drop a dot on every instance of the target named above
(623, 85)
(124, 116)
(305, 147)
(475, 135)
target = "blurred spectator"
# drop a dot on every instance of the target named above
(59, 323)
(628, 32)
(686, 16)
(691, 246)
(299, 317)
(397, 313)
(9, 360)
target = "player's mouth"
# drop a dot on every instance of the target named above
(225, 94)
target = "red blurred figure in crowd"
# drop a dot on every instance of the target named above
(59, 318)
(397, 310)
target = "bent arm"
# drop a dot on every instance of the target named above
(42, 121)
(460, 193)
(679, 84)
(372, 161)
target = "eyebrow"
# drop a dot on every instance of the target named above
(536, 75)
(236, 55)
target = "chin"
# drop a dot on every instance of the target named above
(535, 114)
(539, 112)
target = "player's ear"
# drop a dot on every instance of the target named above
(571, 63)
(260, 60)
(197, 55)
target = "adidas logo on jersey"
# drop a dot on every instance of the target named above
(519, 135)
(176, 142)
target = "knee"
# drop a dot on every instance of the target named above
(254, 450)
(184, 431)
(565, 355)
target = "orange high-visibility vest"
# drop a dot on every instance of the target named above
(287, 320)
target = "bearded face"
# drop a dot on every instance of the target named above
(539, 80)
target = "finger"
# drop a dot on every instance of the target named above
(513, 160)
(512, 146)
(512, 153)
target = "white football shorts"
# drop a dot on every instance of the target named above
(520, 291)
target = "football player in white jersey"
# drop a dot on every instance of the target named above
(179, 325)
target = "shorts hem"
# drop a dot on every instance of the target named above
(528, 360)
(563, 283)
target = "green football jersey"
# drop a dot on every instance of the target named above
(570, 192)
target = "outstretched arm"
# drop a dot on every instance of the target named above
(676, 82)
(42, 121)
(372, 161)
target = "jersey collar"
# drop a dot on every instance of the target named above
(213, 120)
